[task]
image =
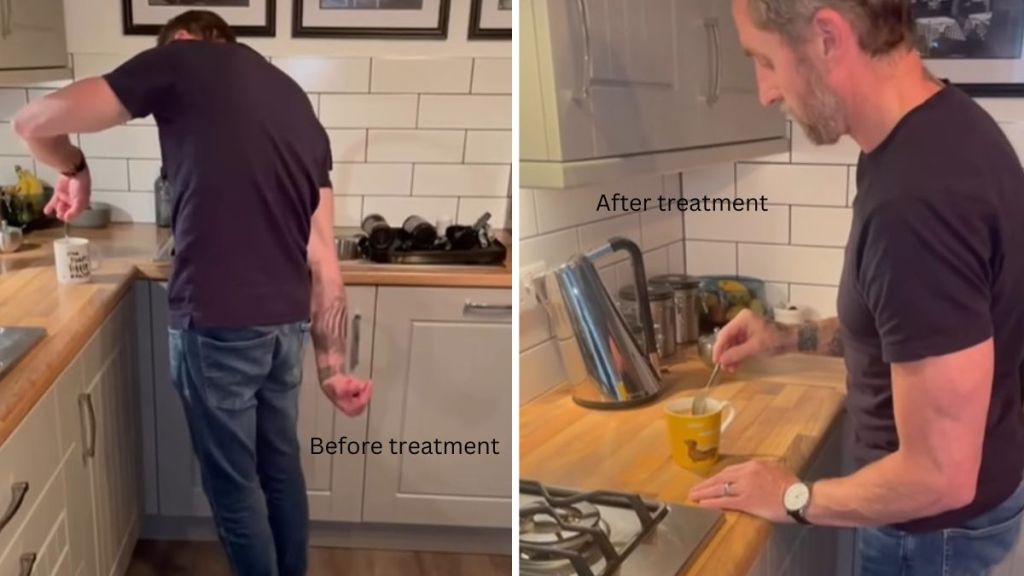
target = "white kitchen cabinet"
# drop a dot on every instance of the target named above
(33, 45)
(40, 547)
(334, 483)
(611, 89)
(442, 370)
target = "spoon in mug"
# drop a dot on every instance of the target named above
(700, 402)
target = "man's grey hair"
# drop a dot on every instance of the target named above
(881, 25)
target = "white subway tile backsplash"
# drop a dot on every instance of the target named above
(347, 145)
(527, 214)
(37, 93)
(396, 209)
(551, 249)
(718, 181)
(460, 180)
(7, 165)
(492, 76)
(122, 142)
(793, 184)
(483, 112)
(656, 262)
(111, 174)
(368, 111)
(10, 143)
(314, 101)
(598, 233)
(92, 65)
(769, 226)
(710, 257)
(1015, 134)
(372, 179)
(489, 147)
(1003, 109)
(348, 211)
(415, 145)
(534, 327)
(794, 264)
(659, 228)
(846, 151)
(127, 206)
(821, 226)
(319, 74)
(557, 209)
(851, 186)
(540, 369)
(676, 258)
(472, 208)
(820, 299)
(776, 293)
(142, 174)
(11, 101)
(422, 75)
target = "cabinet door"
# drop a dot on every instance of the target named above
(40, 543)
(335, 483)
(32, 34)
(442, 370)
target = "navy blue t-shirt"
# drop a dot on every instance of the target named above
(245, 156)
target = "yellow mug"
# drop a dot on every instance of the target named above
(694, 439)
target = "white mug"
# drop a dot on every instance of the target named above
(73, 260)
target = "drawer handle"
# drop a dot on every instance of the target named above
(85, 402)
(28, 562)
(356, 321)
(471, 307)
(18, 491)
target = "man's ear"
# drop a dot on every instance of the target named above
(183, 35)
(831, 32)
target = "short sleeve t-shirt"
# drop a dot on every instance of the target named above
(933, 266)
(245, 157)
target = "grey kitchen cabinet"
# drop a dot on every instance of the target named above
(611, 89)
(334, 483)
(33, 45)
(442, 370)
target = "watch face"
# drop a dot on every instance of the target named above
(797, 496)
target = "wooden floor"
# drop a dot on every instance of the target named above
(152, 558)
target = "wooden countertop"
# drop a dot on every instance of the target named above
(31, 296)
(785, 407)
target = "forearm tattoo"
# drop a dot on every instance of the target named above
(330, 335)
(807, 338)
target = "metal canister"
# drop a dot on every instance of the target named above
(162, 198)
(686, 292)
(662, 309)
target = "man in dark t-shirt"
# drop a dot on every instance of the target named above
(254, 270)
(931, 317)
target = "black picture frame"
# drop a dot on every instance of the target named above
(439, 32)
(269, 29)
(477, 32)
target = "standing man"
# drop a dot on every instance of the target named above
(254, 269)
(930, 323)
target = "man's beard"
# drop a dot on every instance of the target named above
(820, 112)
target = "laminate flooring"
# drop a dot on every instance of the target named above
(167, 558)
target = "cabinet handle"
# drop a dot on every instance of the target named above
(85, 402)
(356, 322)
(18, 491)
(714, 60)
(585, 26)
(28, 562)
(471, 307)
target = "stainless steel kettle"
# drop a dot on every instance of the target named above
(616, 372)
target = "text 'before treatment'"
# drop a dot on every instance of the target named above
(434, 447)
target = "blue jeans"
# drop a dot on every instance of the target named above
(240, 390)
(970, 550)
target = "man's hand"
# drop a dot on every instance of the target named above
(70, 196)
(755, 487)
(747, 335)
(349, 394)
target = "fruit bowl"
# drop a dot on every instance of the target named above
(723, 297)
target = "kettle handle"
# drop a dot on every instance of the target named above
(643, 299)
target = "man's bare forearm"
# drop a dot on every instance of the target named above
(56, 152)
(329, 321)
(822, 337)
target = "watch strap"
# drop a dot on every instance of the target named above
(798, 515)
(79, 168)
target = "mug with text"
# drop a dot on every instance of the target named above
(695, 439)
(73, 260)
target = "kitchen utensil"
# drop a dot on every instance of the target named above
(482, 229)
(97, 215)
(422, 233)
(162, 199)
(619, 372)
(442, 225)
(700, 401)
(11, 237)
(349, 247)
(706, 348)
(662, 310)
(73, 260)
(695, 438)
(687, 305)
(723, 297)
(381, 235)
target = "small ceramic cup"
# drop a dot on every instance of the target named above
(73, 260)
(695, 439)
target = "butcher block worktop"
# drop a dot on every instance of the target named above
(31, 296)
(785, 407)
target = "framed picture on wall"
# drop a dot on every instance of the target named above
(246, 17)
(976, 44)
(423, 19)
(491, 20)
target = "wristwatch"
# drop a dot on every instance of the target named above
(79, 168)
(796, 501)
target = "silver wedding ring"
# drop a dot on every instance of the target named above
(727, 489)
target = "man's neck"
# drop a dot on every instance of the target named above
(890, 89)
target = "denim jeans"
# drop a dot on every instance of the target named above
(970, 550)
(240, 390)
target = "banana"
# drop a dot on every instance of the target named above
(28, 185)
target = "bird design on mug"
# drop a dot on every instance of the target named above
(698, 455)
